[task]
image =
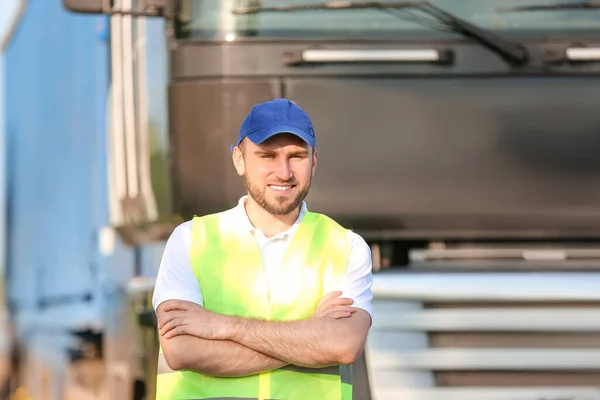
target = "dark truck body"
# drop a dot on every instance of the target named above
(473, 150)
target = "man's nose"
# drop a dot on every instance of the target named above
(284, 170)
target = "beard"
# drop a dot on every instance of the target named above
(276, 205)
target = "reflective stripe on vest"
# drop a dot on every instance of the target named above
(233, 283)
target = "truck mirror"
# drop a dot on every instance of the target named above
(143, 8)
(85, 6)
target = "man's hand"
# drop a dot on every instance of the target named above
(185, 318)
(333, 306)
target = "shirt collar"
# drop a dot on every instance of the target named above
(246, 226)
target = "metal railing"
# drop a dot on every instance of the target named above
(503, 314)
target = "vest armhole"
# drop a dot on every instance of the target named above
(204, 239)
(342, 237)
(197, 244)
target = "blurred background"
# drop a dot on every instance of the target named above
(459, 138)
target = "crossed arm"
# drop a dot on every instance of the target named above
(222, 358)
(194, 338)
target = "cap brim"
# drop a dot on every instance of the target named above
(261, 135)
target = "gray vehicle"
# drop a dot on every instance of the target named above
(460, 138)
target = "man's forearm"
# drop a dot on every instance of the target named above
(308, 343)
(216, 357)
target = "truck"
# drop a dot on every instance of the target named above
(460, 139)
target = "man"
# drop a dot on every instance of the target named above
(266, 300)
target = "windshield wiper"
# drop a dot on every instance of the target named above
(511, 52)
(584, 5)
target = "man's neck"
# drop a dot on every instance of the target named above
(269, 224)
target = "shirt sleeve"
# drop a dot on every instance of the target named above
(176, 279)
(359, 275)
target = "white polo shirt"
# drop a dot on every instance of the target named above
(176, 278)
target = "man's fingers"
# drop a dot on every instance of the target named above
(328, 296)
(172, 325)
(168, 326)
(339, 310)
(178, 330)
(169, 316)
(172, 305)
(342, 301)
(339, 314)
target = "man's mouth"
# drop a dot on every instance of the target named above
(281, 188)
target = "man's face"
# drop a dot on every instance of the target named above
(277, 172)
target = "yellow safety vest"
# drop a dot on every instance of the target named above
(230, 269)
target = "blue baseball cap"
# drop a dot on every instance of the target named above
(276, 116)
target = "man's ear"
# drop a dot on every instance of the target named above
(314, 162)
(238, 161)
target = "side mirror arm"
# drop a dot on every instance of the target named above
(146, 8)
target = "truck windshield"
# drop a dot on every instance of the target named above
(214, 20)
